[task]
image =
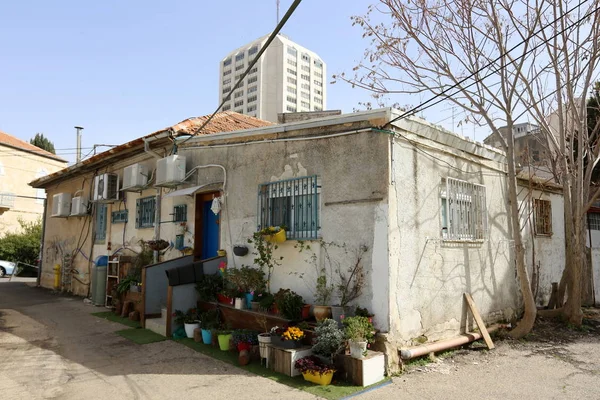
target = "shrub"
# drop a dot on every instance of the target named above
(23, 246)
(329, 339)
(359, 329)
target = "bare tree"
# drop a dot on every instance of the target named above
(494, 60)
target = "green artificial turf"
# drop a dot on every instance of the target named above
(141, 336)
(337, 390)
(111, 316)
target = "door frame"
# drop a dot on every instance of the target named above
(199, 221)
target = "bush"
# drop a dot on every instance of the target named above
(23, 246)
(329, 339)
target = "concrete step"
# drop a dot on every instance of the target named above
(157, 325)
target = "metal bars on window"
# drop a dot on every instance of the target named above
(180, 213)
(594, 221)
(145, 212)
(292, 203)
(466, 211)
(542, 217)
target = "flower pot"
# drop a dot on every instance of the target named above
(287, 344)
(239, 303)
(221, 298)
(255, 306)
(221, 253)
(322, 312)
(319, 379)
(224, 341)
(278, 237)
(244, 346)
(357, 349)
(206, 336)
(189, 329)
(306, 311)
(249, 299)
(263, 340)
(240, 251)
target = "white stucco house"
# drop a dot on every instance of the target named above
(429, 205)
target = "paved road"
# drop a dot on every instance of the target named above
(51, 348)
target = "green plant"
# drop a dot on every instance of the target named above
(244, 336)
(265, 300)
(189, 317)
(289, 304)
(359, 329)
(362, 312)
(23, 246)
(329, 339)
(253, 279)
(125, 284)
(324, 289)
(264, 258)
(208, 286)
(210, 319)
(313, 364)
(351, 282)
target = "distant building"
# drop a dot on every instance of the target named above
(288, 78)
(530, 144)
(21, 162)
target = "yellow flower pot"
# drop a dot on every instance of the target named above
(278, 237)
(317, 378)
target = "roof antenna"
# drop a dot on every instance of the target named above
(277, 12)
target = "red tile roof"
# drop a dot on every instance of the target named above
(17, 143)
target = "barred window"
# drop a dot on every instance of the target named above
(594, 221)
(463, 209)
(145, 212)
(542, 217)
(294, 203)
(180, 213)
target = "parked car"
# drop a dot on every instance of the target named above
(6, 268)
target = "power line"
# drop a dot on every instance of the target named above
(418, 108)
(278, 28)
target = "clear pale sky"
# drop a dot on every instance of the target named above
(123, 69)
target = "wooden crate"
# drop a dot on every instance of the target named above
(363, 372)
(282, 360)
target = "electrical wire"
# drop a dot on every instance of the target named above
(278, 28)
(419, 107)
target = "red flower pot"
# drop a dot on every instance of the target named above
(221, 298)
(244, 346)
(306, 311)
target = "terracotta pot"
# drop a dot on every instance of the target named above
(322, 312)
(244, 357)
(306, 311)
(243, 346)
(221, 298)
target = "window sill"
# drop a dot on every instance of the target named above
(474, 241)
(546, 235)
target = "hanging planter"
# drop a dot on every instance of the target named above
(240, 251)
(274, 234)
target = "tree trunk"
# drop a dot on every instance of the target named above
(572, 309)
(526, 324)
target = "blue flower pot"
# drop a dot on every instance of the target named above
(249, 299)
(206, 336)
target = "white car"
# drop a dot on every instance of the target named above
(6, 268)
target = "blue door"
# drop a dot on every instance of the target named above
(210, 231)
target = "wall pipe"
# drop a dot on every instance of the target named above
(418, 351)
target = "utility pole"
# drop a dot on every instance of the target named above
(277, 12)
(78, 156)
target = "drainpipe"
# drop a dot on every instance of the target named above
(418, 351)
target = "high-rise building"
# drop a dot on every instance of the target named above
(287, 78)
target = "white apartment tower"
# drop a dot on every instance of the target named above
(287, 78)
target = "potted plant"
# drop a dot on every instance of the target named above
(189, 320)
(329, 339)
(314, 370)
(363, 312)
(252, 280)
(359, 332)
(208, 322)
(244, 339)
(266, 301)
(264, 258)
(224, 336)
(323, 291)
(126, 284)
(289, 304)
(208, 286)
(289, 338)
(274, 234)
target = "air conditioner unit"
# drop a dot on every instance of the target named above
(135, 177)
(79, 206)
(106, 188)
(170, 171)
(61, 205)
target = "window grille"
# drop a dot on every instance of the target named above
(100, 234)
(464, 212)
(119, 217)
(542, 217)
(594, 221)
(180, 213)
(294, 203)
(145, 212)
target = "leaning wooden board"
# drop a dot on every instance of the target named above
(479, 321)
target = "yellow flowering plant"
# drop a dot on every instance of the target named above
(293, 333)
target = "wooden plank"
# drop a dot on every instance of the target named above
(479, 321)
(169, 309)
